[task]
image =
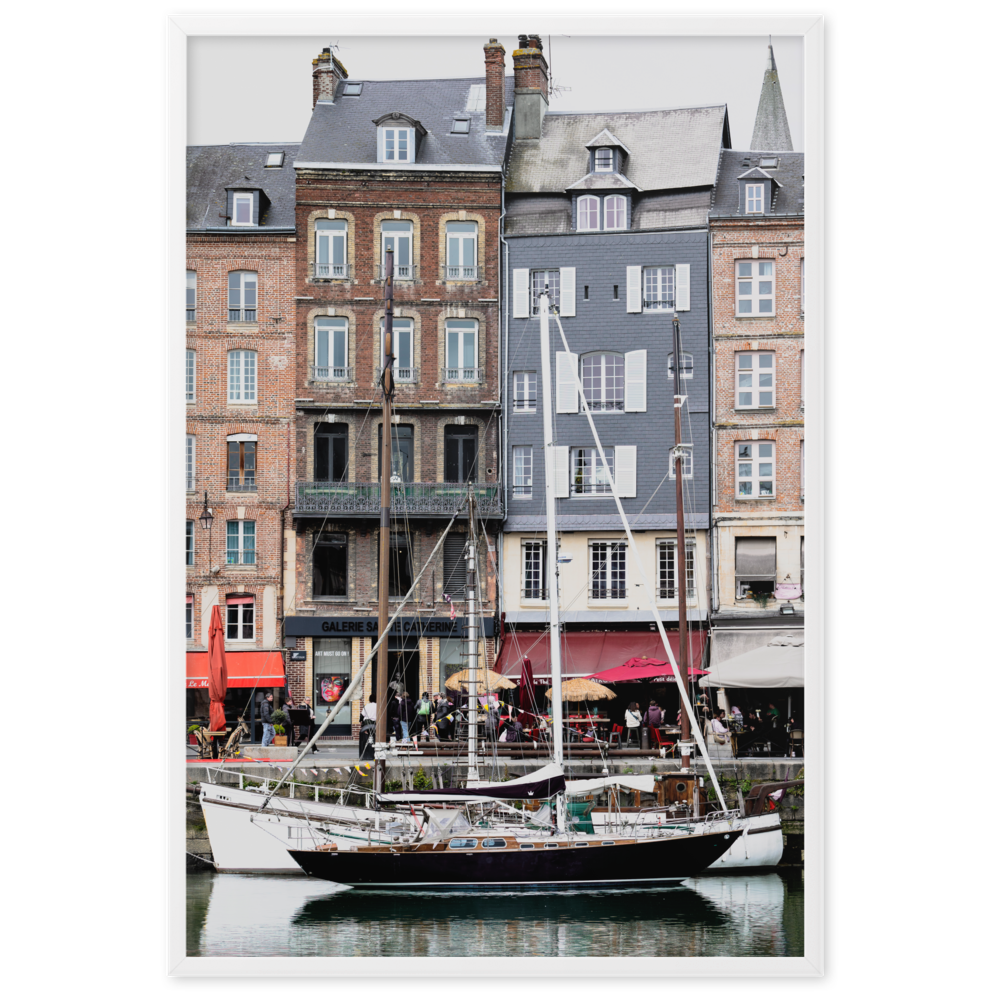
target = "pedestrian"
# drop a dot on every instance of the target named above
(288, 707)
(311, 728)
(633, 720)
(265, 718)
(406, 714)
(424, 713)
(368, 712)
(654, 716)
(442, 724)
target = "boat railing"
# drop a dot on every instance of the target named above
(302, 790)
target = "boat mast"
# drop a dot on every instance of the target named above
(472, 645)
(382, 674)
(551, 561)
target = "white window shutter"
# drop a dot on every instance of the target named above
(625, 469)
(561, 455)
(683, 275)
(635, 382)
(567, 291)
(633, 290)
(566, 391)
(521, 305)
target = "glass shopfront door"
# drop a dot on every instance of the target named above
(331, 674)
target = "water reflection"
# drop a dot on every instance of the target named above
(268, 915)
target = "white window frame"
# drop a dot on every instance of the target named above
(241, 366)
(761, 454)
(390, 136)
(243, 534)
(275, 159)
(522, 469)
(400, 326)
(242, 197)
(335, 328)
(666, 569)
(189, 543)
(190, 468)
(600, 168)
(538, 286)
(241, 623)
(687, 366)
(603, 379)
(592, 479)
(752, 381)
(404, 272)
(191, 296)
(588, 210)
(189, 616)
(459, 369)
(754, 203)
(659, 280)
(802, 468)
(333, 231)
(687, 467)
(458, 236)
(533, 553)
(611, 202)
(608, 561)
(755, 273)
(525, 392)
(246, 278)
(190, 374)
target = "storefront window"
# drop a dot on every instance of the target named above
(451, 660)
(331, 674)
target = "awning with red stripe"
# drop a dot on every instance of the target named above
(585, 653)
(257, 668)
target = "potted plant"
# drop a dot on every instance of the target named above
(278, 719)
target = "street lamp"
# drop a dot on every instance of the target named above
(206, 515)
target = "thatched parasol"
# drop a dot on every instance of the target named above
(487, 680)
(583, 689)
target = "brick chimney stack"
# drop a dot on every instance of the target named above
(327, 70)
(531, 87)
(494, 84)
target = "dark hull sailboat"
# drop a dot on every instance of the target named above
(505, 862)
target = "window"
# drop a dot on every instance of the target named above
(533, 571)
(461, 844)
(352, 90)
(241, 464)
(658, 287)
(589, 475)
(461, 445)
(241, 543)
(756, 566)
(802, 378)
(525, 392)
(400, 564)
(192, 295)
(802, 567)
(607, 571)
(330, 564)
(402, 453)
(666, 552)
(189, 543)
(494, 842)
(754, 469)
(754, 380)
(614, 212)
(755, 199)
(242, 296)
(462, 248)
(802, 468)
(242, 208)
(331, 350)
(460, 126)
(330, 453)
(802, 285)
(539, 279)
(189, 463)
(331, 248)
(239, 616)
(455, 569)
(755, 288)
(397, 145)
(687, 366)
(398, 237)
(275, 159)
(522, 471)
(603, 377)
(189, 376)
(461, 350)
(768, 162)
(604, 159)
(242, 376)
(588, 213)
(403, 369)
(687, 467)
(189, 615)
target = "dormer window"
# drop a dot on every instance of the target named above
(397, 145)
(604, 160)
(588, 213)
(755, 199)
(242, 208)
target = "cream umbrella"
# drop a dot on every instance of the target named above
(487, 680)
(583, 689)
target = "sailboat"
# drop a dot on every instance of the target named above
(444, 857)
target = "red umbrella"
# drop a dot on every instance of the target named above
(526, 692)
(641, 668)
(218, 675)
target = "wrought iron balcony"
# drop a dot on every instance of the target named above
(248, 484)
(191, 315)
(365, 499)
(402, 272)
(334, 271)
(242, 315)
(399, 375)
(658, 304)
(462, 374)
(535, 593)
(330, 373)
(461, 272)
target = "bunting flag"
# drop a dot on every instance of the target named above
(314, 771)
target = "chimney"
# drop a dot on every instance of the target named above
(327, 70)
(531, 87)
(494, 85)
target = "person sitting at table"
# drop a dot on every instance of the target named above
(633, 720)
(736, 714)
(718, 732)
(654, 716)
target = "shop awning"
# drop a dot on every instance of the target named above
(585, 653)
(757, 659)
(756, 558)
(257, 668)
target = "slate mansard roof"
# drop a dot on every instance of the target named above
(789, 192)
(344, 132)
(213, 169)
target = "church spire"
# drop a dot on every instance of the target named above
(770, 130)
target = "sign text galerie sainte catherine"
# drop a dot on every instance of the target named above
(308, 625)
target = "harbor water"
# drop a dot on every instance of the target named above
(752, 915)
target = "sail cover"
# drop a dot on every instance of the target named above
(639, 782)
(540, 784)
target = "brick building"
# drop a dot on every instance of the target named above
(416, 166)
(610, 211)
(240, 369)
(758, 339)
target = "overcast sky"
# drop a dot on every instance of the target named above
(245, 89)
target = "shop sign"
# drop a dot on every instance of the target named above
(297, 656)
(315, 626)
(197, 682)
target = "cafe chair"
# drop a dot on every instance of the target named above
(615, 739)
(659, 740)
(796, 743)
